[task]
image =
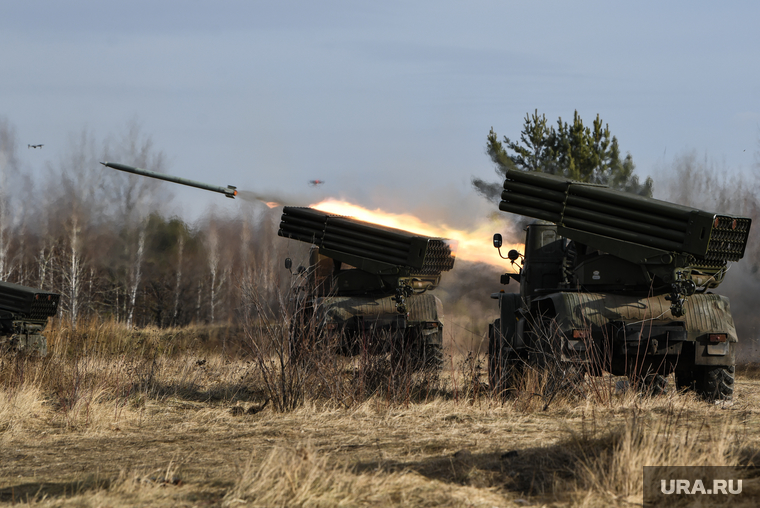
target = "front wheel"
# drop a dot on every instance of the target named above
(431, 354)
(504, 366)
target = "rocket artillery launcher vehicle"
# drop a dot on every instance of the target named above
(367, 285)
(616, 282)
(24, 312)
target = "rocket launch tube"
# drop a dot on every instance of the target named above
(620, 219)
(228, 191)
(345, 236)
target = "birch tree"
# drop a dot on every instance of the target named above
(136, 275)
(178, 279)
(217, 281)
(71, 267)
(5, 268)
(8, 164)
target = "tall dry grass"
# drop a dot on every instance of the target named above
(101, 373)
(303, 476)
(446, 440)
(610, 462)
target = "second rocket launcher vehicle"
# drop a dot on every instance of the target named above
(229, 191)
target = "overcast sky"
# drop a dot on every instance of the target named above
(388, 102)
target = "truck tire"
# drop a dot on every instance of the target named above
(418, 351)
(653, 384)
(431, 353)
(716, 382)
(503, 366)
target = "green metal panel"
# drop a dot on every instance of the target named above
(705, 313)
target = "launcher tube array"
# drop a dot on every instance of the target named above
(420, 254)
(712, 238)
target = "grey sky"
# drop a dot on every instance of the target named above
(379, 99)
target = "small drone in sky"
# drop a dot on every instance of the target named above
(315, 183)
(35, 146)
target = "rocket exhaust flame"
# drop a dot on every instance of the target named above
(474, 244)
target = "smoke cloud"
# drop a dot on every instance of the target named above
(702, 183)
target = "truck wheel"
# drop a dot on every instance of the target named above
(432, 352)
(419, 352)
(503, 374)
(432, 361)
(716, 382)
(653, 384)
(503, 367)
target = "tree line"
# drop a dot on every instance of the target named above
(103, 240)
(106, 242)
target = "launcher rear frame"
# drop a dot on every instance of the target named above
(24, 312)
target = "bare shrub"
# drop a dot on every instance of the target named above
(299, 360)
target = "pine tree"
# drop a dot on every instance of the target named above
(575, 151)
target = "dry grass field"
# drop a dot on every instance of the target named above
(175, 418)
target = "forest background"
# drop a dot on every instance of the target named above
(107, 242)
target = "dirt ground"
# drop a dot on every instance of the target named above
(194, 453)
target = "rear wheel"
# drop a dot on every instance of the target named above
(418, 350)
(431, 352)
(715, 382)
(653, 384)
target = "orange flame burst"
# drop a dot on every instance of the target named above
(475, 244)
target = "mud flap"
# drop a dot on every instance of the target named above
(722, 353)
